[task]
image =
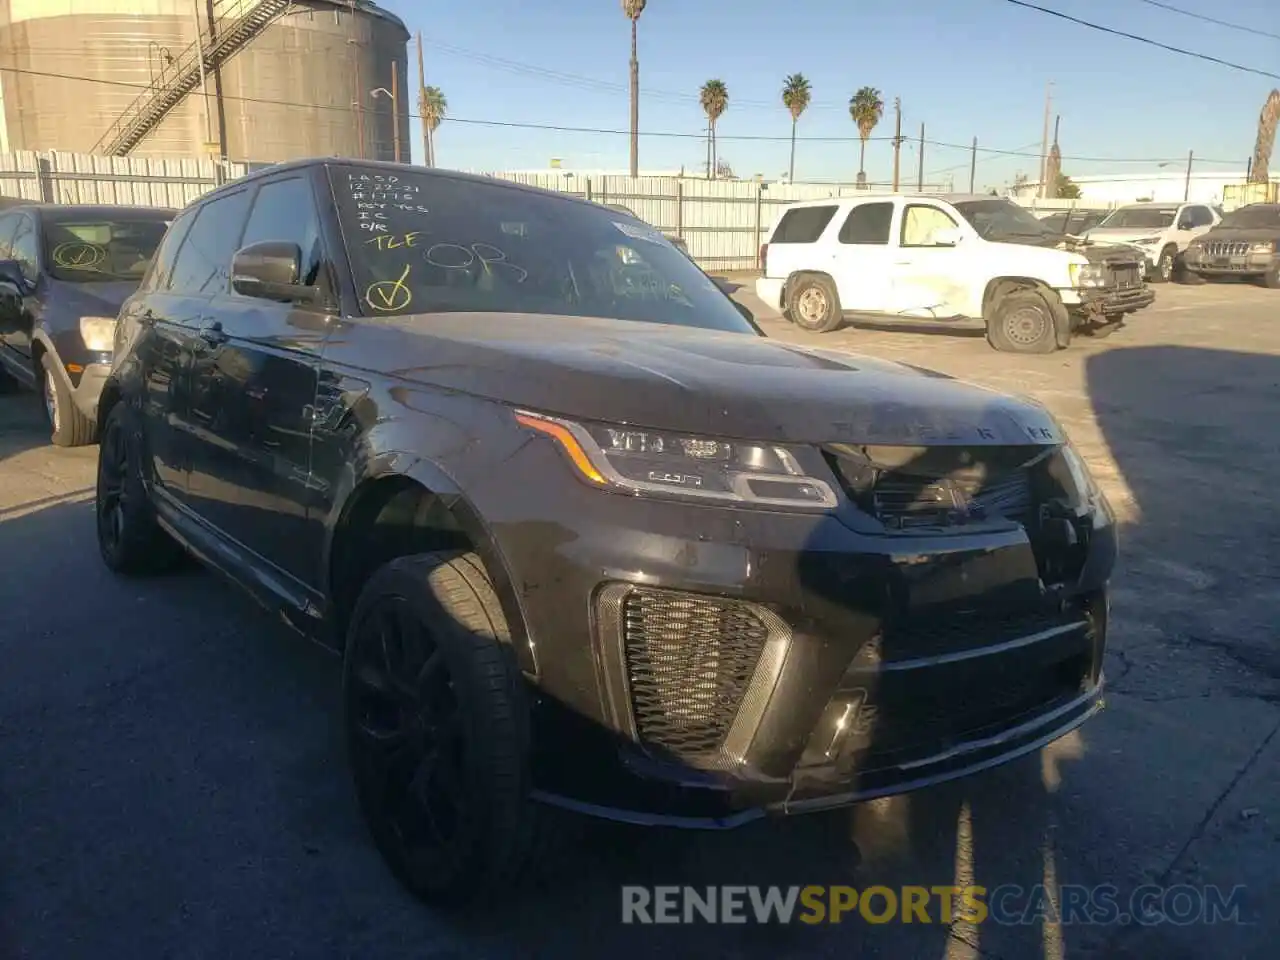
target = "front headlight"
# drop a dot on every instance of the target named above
(656, 463)
(1087, 489)
(1147, 241)
(1264, 246)
(1087, 275)
(98, 333)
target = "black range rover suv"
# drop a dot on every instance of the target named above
(584, 536)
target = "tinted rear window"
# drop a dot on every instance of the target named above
(430, 243)
(802, 224)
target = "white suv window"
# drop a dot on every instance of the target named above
(802, 225)
(920, 223)
(868, 223)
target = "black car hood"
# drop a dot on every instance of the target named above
(87, 299)
(1240, 234)
(689, 380)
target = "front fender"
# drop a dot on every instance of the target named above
(436, 480)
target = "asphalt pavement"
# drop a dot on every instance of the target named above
(172, 781)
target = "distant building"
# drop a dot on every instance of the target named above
(1163, 187)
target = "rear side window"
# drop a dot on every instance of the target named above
(203, 267)
(802, 224)
(868, 223)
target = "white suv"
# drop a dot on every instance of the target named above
(1161, 231)
(945, 258)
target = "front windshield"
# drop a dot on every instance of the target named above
(83, 249)
(1260, 217)
(997, 219)
(1141, 218)
(429, 243)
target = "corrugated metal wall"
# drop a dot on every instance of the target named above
(139, 181)
(723, 222)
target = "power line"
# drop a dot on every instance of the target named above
(1200, 16)
(1147, 40)
(606, 131)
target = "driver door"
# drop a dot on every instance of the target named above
(930, 279)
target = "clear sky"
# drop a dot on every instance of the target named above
(964, 68)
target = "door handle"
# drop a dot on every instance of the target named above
(213, 334)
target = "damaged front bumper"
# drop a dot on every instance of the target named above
(738, 664)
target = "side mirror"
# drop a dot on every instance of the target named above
(270, 270)
(947, 237)
(11, 273)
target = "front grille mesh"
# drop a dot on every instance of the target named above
(689, 661)
(1226, 248)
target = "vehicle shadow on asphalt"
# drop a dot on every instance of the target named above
(22, 423)
(1193, 432)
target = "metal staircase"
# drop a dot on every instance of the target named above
(236, 24)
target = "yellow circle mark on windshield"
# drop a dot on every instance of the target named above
(387, 296)
(78, 255)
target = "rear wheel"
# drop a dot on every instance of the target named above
(129, 539)
(437, 727)
(814, 305)
(70, 427)
(1022, 322)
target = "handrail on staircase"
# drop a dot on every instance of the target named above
(219, 44)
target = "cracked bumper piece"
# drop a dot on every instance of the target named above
(738, 664)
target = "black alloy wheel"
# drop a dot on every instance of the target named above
(129, 539)
(437, 728)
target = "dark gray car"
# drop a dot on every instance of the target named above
(1245, 244)
(64, 272)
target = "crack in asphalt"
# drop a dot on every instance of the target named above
(1128, 930)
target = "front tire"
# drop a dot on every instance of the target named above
(814, 305)
(130, 540)
(438, 729)
(1164, 268)
(1022, 322)
(1271, 279)
(70, 427)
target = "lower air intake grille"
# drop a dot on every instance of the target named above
(689, 661)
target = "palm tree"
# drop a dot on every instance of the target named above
(795, 97)
(1259, 172)
(432, 107)
(866, 108)
(715, 101)
(633, 9)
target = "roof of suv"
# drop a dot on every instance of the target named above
(889, 195)
(390, 167)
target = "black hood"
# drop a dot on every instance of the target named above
(1239, 234)
(689, 380)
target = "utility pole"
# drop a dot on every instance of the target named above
(897, 139)
(355, 65)
(920, 172)
(395, 107)
(1044, 149)
(204, 82)
(1186, 190)
(973, 162)
(427, 158)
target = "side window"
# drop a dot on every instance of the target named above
(25, 247)
(203, 266)
(802, 224)
(286, 210)
(162, 263)
(1201, 217)
(921, 223)
(868, 223)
